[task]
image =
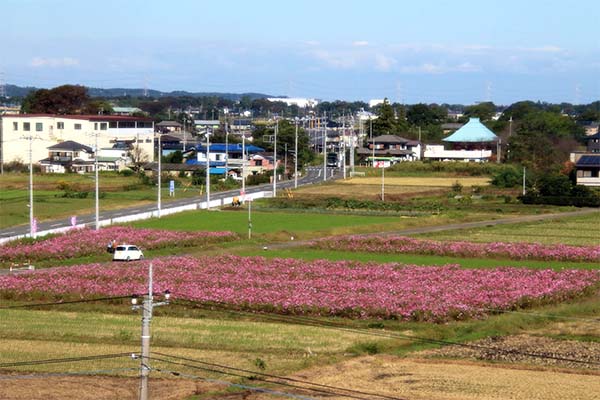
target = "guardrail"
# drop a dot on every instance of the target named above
(146, 215)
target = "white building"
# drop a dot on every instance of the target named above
(438, 153)
(296, 101)
(375, 102)
(47, 130)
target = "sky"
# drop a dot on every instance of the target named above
(461, 51)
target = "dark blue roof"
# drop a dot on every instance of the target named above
(589, 161)
(231, 148)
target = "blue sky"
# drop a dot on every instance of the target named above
(409, 51)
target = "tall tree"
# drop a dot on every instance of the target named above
(66, 99)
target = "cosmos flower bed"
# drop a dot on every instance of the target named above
(321, 287)
(85, 242)
(515, 251)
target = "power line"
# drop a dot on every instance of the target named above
(277, 376)
(61, 303)
(332, 325)
(266, 380)
(66, 374)
(237, 385)
(63, 360)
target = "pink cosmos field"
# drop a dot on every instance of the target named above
(85, 242)
(320, 287)
(515, 251)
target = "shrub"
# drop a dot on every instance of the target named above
(126, 172)
(457, 187)
(507, 178)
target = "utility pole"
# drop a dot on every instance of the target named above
(275, 159)
(226, 148)
(296, 157)
(147, 307)
(372, 141)
(32, 223)
(284, 158)
(352, 145)
(343, 147)
(158, 201)
(249, 219)
(208, 168)
(97, 184)
(324, 146)
(383, 182)
(243, 193)
(524, 178)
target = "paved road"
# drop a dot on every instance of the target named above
(313, 175)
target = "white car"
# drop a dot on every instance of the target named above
(127, 252)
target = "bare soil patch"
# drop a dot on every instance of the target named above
(96, 388)
(512, 349)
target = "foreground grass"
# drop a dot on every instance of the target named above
(284, 344)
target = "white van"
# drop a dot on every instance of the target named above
(127, 252)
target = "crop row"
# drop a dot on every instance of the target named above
(320, 287)
(403, 244)
(86, 242)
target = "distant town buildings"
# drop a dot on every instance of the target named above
(296, 101)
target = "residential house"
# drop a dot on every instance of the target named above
(593, 142)
(588, 170)
(168, 126)
(126, 110)
(68, 156)
(391, 149)
(202, 125)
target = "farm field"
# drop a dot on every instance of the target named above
(50, 201)
(584, 230)
(244, 319)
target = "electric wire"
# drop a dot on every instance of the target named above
(276, 376)
(63, 360)
(266, 380)
(231, 384)
(393, 335)
(66, 374)
(60, 303)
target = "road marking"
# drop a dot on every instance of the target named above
(54, 225)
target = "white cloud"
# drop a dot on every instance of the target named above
(543, 49)
(336, 60)
(383, 62)
(54, 62)
(441, 68)
(360, 43)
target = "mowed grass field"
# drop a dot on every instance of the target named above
(49, 201)
(577, 231)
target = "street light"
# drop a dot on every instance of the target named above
(275, 159)
(207, 168)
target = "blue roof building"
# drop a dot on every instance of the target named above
(472, 132)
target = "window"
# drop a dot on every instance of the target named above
(26, 126)
(60, 125)
(39, 126)
(142, 124)
(103, 126)
(15, 126)
(112, 124)
(126, 124)
(77, 126)
(95, 126)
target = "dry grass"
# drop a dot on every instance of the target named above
(419, 181)
(453, 380)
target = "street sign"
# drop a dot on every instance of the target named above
(171, 188)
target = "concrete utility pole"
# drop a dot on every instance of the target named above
(343, 147)
(97, 183)
(284, 158)
(324, 146)
(208, 168)
(352, 145)
(383, 182)
(275, 159)
(147, 307)
(296, 157)
(243, 193)
(32, 227)
(226, 148)
(158, 201)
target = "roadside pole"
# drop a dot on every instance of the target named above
(249, 218)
